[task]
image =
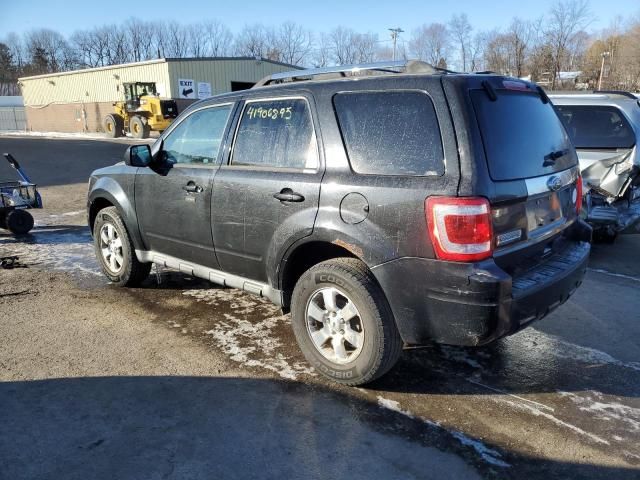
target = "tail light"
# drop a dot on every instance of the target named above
(579, 194)
(460, 228)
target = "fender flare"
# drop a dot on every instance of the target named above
(108, 189)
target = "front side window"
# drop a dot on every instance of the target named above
(594, 126)
(198, 137)
(390, 133)
(276, 133)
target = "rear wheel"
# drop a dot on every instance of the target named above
(113, 125)
(115, 251)
(18, 222)
(139, 127)
(343, 323)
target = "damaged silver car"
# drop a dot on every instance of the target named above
(604, 127)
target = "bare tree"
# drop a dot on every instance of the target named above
(519, 36)
(322, 53)
(343, 45)
(252, 41)
(566, 19)
(176, 40)
(294, 43)
(430, 43)
(51, 46)
(197, 44)
(366, 47)
(219, 38)
(461, 32)
(140, 35)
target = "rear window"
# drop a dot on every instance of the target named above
(594, 126)
(523, 137)
(390, 133)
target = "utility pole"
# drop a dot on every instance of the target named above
(394, 36)
(603, 55)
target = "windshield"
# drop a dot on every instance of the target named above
(522, 135)
(595, 126)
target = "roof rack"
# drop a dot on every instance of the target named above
(398, 66)
(617, 92)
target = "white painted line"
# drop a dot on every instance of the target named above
(497, 390)
(560, 348)
(619, 275)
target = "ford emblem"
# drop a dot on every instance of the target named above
(554, 183)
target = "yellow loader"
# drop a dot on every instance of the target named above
(142, 111)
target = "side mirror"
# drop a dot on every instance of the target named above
(138, 156)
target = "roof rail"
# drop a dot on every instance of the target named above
(397, 66)
(617, 92)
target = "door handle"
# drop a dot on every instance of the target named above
(191, 187)
(288, 195)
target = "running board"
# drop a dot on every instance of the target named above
(216, 276)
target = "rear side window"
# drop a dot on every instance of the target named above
(523, 136)
(390, 133)
(594, 126)
(276, 133)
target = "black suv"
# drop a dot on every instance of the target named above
(383, 205)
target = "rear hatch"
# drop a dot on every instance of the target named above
(532, 182)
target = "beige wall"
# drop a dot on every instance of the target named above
(68, 117)
(92, 85)
(220, 73)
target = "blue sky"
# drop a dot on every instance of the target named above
(365, 16)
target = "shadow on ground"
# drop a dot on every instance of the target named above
(188, 427)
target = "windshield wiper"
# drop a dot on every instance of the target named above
(550, 158)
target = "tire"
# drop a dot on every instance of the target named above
(113, 125)
(378, 344)
(138, 127)
(18, 222)
(120, 264)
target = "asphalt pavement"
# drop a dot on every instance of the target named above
(182, 379)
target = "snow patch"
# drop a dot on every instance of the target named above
(63, 249)
(489, 455)
(64, 135)
(251, 343)
(593, 402)
(539, 413)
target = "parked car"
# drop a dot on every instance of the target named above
(605, 128)
(383, 205)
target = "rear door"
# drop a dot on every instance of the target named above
(173, 199)
(266, 194)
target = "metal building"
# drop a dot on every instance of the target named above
(77, 101)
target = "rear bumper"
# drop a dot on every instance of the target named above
(477, 303)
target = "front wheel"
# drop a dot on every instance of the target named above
(115, 251)
(343, 323)
(139, 127)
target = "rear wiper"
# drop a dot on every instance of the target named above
(550, 158)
